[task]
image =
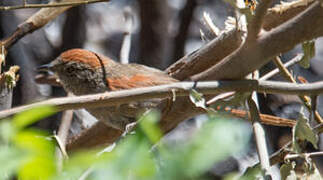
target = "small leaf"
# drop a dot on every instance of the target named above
(314, 175)
(198, 99)
(148, 124)
(287, 170)
(253, 172)
(215, 141)
(303, 131)
(37, 168)
(233, 101)
(31, 116)
(6, 131)
(310, 169)
(41, 155)
(309, 53)
(12, 157)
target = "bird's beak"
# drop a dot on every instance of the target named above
(45, 68)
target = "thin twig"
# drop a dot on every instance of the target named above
(62, 135)
(288, 8)
(265, 118)
(126, 44)
(284, 71)
(260, 136)
(209, 23)
(294, 156)
(267, 76)
(291, 62)
(289, 77)
(252, 56)
(25, 6)
(279, 155)
(64, 127)
(254, 26)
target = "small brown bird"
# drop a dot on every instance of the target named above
(84, 72)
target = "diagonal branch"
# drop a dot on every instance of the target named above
(217, 49)
(61, 4)
(281, 39)
(283, 12)
(254, 26)
(259, 136)
(36, 21)
(289, 77)
(207, 56)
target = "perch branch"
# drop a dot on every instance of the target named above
(50, 5)
(163, 91)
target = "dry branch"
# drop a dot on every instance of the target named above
(283, 12)
(279, 156)
(255, 24)
(289, 77)
(252, 56)
(180, 89)
(260, 136)
(50, 5)
(207, 56)
(38, 20)
(222, 46)
(181, 109)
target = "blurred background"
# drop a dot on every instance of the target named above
(163, 31)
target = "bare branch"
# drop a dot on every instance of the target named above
(126, 43)
(50, 5)
(255, 24)
(252, 56)
(207, 56)
(98, 135)
(259, 135)
(291, 62)
(163, 91)
(265, 118)
(67, 118)
(279, 156)
(294, 156)
(283, 12)
(36, 21)
(289, 77)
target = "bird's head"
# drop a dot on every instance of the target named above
(79, 70)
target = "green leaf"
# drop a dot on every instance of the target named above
(38, 167)
(303, 131)
(31, 116)
(215, 141)
(198, 99)
(310, 169)
(287, 171)
(79, 162)
(253, 172)
(314, 175)
(12, 157)
(6, 131)
(41, 155)
(309, 53)
(148, 124)
(234, 101)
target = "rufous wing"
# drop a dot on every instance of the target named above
(137, 81)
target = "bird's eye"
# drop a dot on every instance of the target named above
(69, 70)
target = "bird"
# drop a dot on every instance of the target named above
(84, 72)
